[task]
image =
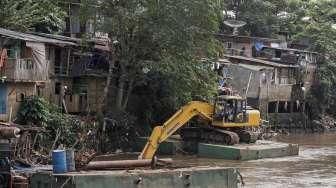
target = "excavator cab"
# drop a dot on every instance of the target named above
(230, 109)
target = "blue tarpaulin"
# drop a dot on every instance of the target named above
(259, 46)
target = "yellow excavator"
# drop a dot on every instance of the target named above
(228, 121)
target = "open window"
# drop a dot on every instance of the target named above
(272, 107)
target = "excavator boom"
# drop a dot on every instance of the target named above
(178, 120)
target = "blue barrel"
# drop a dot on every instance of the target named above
(70, 160)
(59, 161)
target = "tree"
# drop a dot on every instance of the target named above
(318, 25)
(164, 36)
(23, 15)
(264, 18)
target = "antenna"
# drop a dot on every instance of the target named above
(235, 24)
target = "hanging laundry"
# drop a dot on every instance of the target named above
(3, 57)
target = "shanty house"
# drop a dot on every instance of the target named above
(77, 76)
(24, 68)
(247, 46)
(274, 79)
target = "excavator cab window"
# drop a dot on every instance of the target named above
(230, 110)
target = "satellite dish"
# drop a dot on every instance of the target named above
(235, 24)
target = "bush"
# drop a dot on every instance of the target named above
(33, 110)
(63, 129)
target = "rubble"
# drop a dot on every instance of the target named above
(324, 123)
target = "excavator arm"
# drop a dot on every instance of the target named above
(179, 119)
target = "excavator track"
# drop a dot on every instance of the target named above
(247, 136)
(209, 135)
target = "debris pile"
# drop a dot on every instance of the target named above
(324, 123)
(82, 158)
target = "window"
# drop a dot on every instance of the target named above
(57, 62)
(57, 88)
(278, 53)
(228, 45)
(272, 107)
(20, 97)
(284, 107)
(39, 90)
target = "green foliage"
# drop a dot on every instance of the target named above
(37, 111)
(65, 125)
(169, 88)
(34, 110)
(262, 17)
(23, 15)
(168, 38)
(319, 28)
(120, 132)
(165, 36)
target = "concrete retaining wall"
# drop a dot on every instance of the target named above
(216, 177)
(262, 149)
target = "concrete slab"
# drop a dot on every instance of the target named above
(168, 147)
(261, 149)
(196, 177)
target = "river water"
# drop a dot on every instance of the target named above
(315, 166)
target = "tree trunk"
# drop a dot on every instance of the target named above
(120, 92)
(108, 80)
(128, 94)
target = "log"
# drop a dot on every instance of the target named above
(9, 132)
(121, 164)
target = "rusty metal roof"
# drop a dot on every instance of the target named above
(34, 38)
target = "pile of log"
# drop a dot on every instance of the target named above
(9, 132)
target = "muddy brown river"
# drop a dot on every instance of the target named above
(314, 167)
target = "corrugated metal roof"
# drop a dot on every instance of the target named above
(33, 38)
(247, 66)
(250, 38)
(291, 49)
(255, 67)
(100, 44)
(264, 62)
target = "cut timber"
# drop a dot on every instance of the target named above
(124, 164)
(9, 132)
(261, 149)
(195, 177)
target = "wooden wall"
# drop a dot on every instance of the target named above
(14, 92)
